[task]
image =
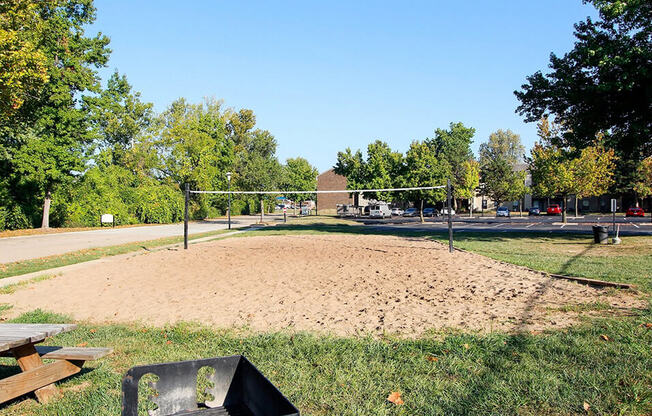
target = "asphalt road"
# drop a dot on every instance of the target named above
(34, 246)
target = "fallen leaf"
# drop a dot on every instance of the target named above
(648, 325)
(466, 346)
(431, 358)
(93, 330)
(604, 337)
(168, 342)
(395, 397)
(533, 332)
(83, 344)
(587, 406)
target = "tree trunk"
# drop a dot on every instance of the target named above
(46, 209)
(470, 207)
(421, 212)
(576, 211)
(455, 204)
(563, 209)
(262, 210)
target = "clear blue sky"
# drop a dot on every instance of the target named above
(323, 76)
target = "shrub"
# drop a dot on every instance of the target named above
(13, 218)
(159, 204)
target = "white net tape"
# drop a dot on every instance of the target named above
(348, 191)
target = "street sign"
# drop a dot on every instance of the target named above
(285, 210)
(484, 204)
(614, 207)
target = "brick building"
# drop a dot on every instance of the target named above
(331, 181)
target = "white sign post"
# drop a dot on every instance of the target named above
(614, 207)
(107, 219)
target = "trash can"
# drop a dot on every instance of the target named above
(600, 234)
(236, 387)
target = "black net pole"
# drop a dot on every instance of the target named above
(185, 218)
(450, 216)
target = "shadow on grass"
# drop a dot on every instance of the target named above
(478, 236)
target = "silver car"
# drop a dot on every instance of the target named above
(502, 212)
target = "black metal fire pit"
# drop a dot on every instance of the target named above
(237, 388)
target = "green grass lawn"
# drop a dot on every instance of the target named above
(605, 362)
(568, 254)
(552, 373)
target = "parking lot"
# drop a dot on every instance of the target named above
(542, 223)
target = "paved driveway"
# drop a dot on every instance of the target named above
(34, 246)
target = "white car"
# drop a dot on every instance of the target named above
(444, 211)
(379, 211)
(397, 211)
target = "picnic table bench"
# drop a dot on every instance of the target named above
(19, 341)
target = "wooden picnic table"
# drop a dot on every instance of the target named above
(19, 341)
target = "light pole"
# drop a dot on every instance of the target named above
(228, 178)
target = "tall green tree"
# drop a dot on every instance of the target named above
(498, 158)
(469, 182)
(593, 171)
(257, 167)
(454, 147)
(381, 169)
(24, 65)
(423, 168)
(119, 117)
(556, 171)
(50, 149)
(601, 85)
(195, 148)
(643, 184)
(298, 175)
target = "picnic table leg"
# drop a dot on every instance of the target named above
(28, 359)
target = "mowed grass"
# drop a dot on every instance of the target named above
(44, 263)
(568, 254)
(605, 363)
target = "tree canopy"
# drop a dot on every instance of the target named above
(498, 159)
(601, 85)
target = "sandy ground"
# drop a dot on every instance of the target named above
(343, 284)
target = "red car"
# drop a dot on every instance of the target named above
(554, 210)
(635, 212)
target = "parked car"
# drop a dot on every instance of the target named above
(553, 209)
(444, 211)
(430, 212)
(635, 212)
(411, 212)
(379, 211)
(534, 211)
(502, 212)
(397, 211)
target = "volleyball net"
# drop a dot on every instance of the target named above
(189, 191)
